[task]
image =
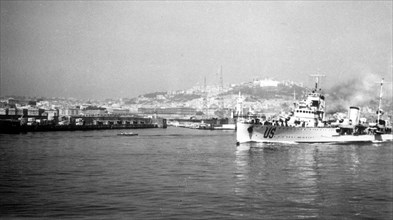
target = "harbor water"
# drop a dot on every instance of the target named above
(178, 173)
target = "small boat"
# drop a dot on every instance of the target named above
(225, 127)
(307, 124)
(127, 134)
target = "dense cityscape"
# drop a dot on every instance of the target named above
(266, 98)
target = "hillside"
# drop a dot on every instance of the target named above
(269, 98)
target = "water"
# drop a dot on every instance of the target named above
(180, 173)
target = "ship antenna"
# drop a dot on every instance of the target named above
(317, 79)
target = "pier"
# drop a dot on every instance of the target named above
(81, 123)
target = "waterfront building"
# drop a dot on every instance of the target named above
(12, 101)
(92, 110)
(69, 112)
(12, 111)
(175, 112)
(32, 111)
(118, 111)
(178, 111)
(52, 114)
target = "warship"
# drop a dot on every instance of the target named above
(307, 124)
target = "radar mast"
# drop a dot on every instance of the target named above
(317, 78)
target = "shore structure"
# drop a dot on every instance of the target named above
(307, 124)
(82, 123)
(205, 124)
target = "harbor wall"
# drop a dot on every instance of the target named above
(12, 125)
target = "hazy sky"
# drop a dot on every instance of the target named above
(101, 49)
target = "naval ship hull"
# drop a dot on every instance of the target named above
(270, 134)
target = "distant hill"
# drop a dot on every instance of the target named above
(338, 98)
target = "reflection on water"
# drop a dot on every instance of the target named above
(266, 171)
(189, 174)
(315, 181)
(242, 169)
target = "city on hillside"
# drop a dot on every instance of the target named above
(260, 97)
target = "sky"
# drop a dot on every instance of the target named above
(114, 49)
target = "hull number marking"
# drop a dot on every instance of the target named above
(269, 132)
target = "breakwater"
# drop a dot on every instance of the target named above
(84, 127)
(41, 128)
(15, 126)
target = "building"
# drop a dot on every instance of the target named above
(12, 101)
(266, 83)
(53, 114)
(118, 111)
(173, 112)
(70, 111)
(92, 110)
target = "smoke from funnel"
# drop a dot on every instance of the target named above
(361, 91)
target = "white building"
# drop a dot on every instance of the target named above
(266, 83)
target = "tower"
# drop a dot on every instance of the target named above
(205, 109)
(221, 90)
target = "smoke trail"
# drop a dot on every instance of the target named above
(362, 91)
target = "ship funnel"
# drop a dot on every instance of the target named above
(354, 114)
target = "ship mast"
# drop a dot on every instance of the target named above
(321, 103)
(317, 79)
(380, 102)
(239, 106)
(379, 111)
